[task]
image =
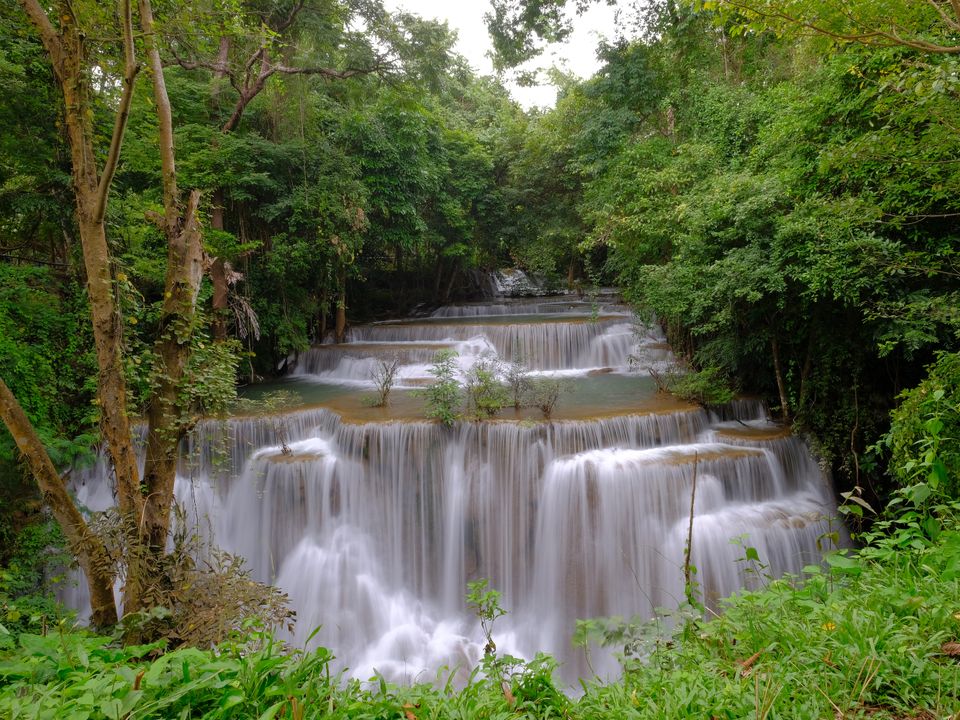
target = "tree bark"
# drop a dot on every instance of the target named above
(781, 386)
(84, 544)
(167, 416)
(68, 57)
(340, 325)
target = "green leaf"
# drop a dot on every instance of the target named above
(272, 711)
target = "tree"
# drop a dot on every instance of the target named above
(929, 26)
(252, 47)
(144, 503)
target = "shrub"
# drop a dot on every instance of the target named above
(485, 394)
(445, 395)
(544, 394)
(924, 437)
(518, 381)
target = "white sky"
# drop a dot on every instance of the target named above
(578, 54)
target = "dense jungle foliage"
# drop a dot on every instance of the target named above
(778, 182)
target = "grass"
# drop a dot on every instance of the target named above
(871, 635)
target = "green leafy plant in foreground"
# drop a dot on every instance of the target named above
(873, 636)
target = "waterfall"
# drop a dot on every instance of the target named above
(374, 521)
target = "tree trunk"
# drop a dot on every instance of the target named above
(322, 321)
(805, 375)
(167, 417)
(85, 545)
(340, 326)
(221, 295)
(781, 386)
(111, 382)
(68, 56)
(449, 288)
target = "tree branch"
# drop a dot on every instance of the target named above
(168, 169)
(48, 35)
(130, 71)
(292, 16)
(873, 37)
(951, 23)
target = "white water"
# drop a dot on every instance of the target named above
(375, 528)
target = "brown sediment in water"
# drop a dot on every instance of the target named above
(406, 407)
(709, 455)
(291, 457)
(498, 320)
(385, 347)
(354, 407)
(770, 432)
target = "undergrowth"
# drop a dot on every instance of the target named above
(872, 634)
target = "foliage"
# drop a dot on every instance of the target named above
(445, 395)
(544, 394)
(486, 395)
(924, 437)
(46, 359)
(36, 555)
(703, 387)
(518, 380)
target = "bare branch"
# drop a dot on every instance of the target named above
(130, 70)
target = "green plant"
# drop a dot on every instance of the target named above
(708, 386)
(924, 437)
(38, 556)
(486, 396)
(544, 394)
(444, 395)
(518, 379)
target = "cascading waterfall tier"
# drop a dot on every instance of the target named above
(374, 523)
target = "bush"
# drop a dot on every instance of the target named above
(485, 394)
(518, 381)
(708, 386)
(445, 395)
(544, 394)
(924, 437)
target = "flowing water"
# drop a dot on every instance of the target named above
(373, 520)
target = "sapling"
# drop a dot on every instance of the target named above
(445, 395)
(384, 378)
(518, 380)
